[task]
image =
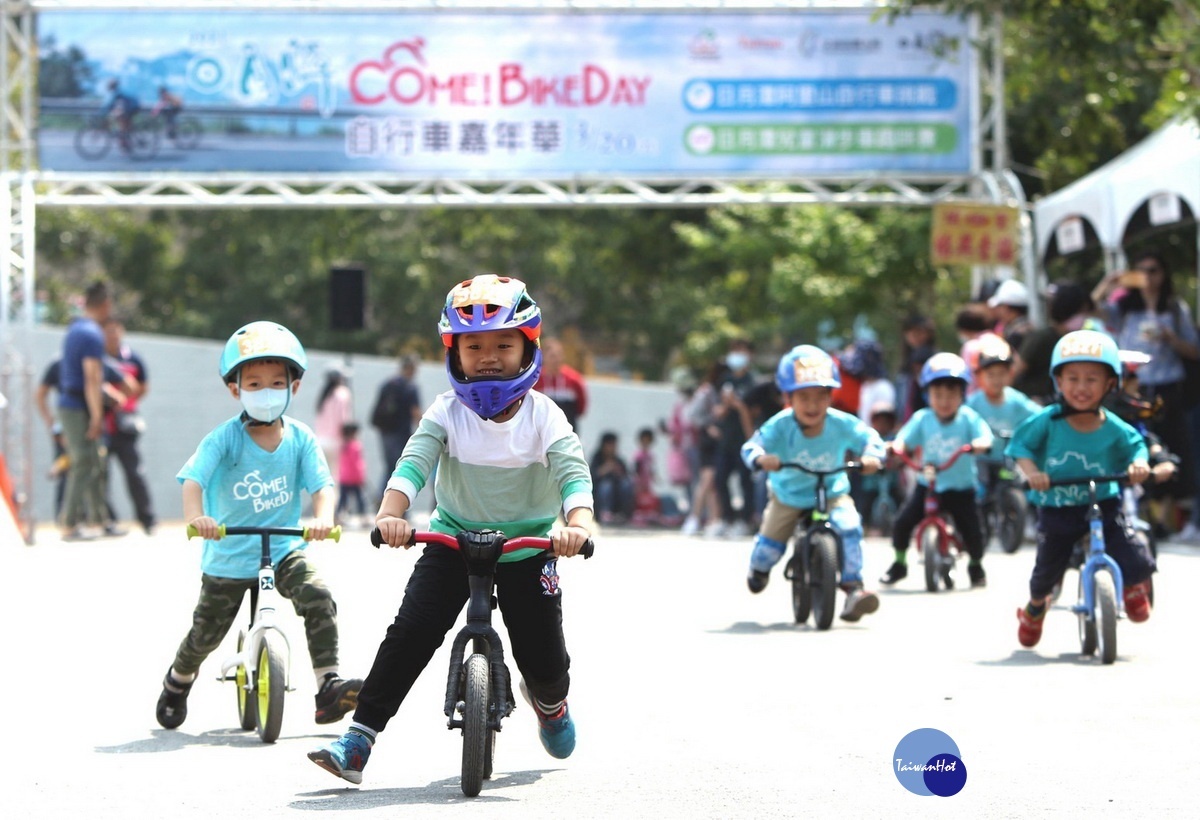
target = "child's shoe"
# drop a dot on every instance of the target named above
(336, 698)
(859, 602)
(977, 575)
(172, 703)
(1029, 632)
(1137, 602)
(346, 757)
(757, 580)
(896, 572)
(556, 732)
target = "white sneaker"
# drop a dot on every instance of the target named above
(1190, 534)
(714, 529)
(738, 529)
(691, 525)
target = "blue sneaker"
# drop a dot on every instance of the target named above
(346, 757)
(557, 732)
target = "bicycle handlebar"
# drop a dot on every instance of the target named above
(510, 544)
(335, 534)
(849, 465)
(1099, 479)
(945, 465)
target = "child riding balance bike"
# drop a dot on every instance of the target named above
(946, 426)
(1073, 439)
(812, 434)
(506, 459)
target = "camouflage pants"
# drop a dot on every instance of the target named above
(221, 598)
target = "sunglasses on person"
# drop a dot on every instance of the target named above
(1148, 269)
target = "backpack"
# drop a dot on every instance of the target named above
(391, 411)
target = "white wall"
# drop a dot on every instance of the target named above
(187, 399)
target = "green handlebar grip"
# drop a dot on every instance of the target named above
(192, 532)
(335, 534)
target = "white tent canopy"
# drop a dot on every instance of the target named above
(1163, 169)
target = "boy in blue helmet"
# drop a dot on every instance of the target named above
(811, 433)
(251, 470)
(940, 430)
(506, 459)
(1075, 438)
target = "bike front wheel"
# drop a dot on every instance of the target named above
(1106, 616)
(477, 686)
(822, 574)
(270, 685)
(1087, 625)
(93, 141)
(932, 556)
(1011, 512)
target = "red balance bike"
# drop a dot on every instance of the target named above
(937, 539)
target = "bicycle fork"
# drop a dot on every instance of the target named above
(1097, 559)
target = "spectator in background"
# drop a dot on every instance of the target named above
(683, 461)
(920, 340)
(561, 382)
(81, 413)
(705, 510)
(864, 360)
(352, 474)
(126, 422)
(61, 462)
(1010, 308)
(974, 328)
(335, 409)
(612, 485)
(1070, 309)
(735, 424)
(396, 413)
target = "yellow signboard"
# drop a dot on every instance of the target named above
(974, 234)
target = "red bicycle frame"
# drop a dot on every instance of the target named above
(933, 513)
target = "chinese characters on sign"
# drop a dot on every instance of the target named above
(974, 234)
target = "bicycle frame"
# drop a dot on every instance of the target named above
(818, 517)
(933, 512)
(1096, 558)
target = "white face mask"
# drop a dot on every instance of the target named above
(737, 361)
(265, 405)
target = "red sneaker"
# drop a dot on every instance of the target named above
(1030, 630)
(1137, 602)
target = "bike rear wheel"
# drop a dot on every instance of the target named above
(801, 593)
(143, 140)
(822, 572)
(1106, 616)
(245, 694)
(270, 685)
(1011, 512)
(187, 134)
(477, 685)
(932, 556)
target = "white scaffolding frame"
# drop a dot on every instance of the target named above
(25, 188)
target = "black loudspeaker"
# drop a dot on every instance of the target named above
(347, 298)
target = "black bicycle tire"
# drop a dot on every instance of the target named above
(1106, 616)
(931, 556)
(476, 692)
(89, 134)
(1087, 627)
(822, 566)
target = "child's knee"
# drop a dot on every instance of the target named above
(766, 553)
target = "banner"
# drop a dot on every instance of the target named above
(974, 234)
(483, 95)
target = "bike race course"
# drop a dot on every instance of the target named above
(692, 697)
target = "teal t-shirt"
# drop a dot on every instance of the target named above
(245, 486)
(938, 440)
(1061, 451)
(843, 435)
(1014, 407)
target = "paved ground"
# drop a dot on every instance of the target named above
(693, 698)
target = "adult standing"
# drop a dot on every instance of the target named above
(127, 423)
(1148, 317)
(335, 409)
(81, 413)
(561, 382)
(1070, 308)
(396, 413)
(1010, 307)
(733, 419)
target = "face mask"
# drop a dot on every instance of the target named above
(737, 361)
(265, 405)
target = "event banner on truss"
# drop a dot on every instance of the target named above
(491, 95)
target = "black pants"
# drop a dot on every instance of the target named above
(123, 446)
(1059, 528)
(529, 600)
(959, 505)
(729, 463)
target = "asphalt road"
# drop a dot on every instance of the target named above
(692, 697)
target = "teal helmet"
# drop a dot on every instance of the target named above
(1087, 346)
(262, 340)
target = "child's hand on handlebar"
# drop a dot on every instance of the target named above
(871, 465)
(568, 541)
(1163, 471)
(317, 529)
(206, 527)
(1139, 471)
(396, 532)
(768, 462)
